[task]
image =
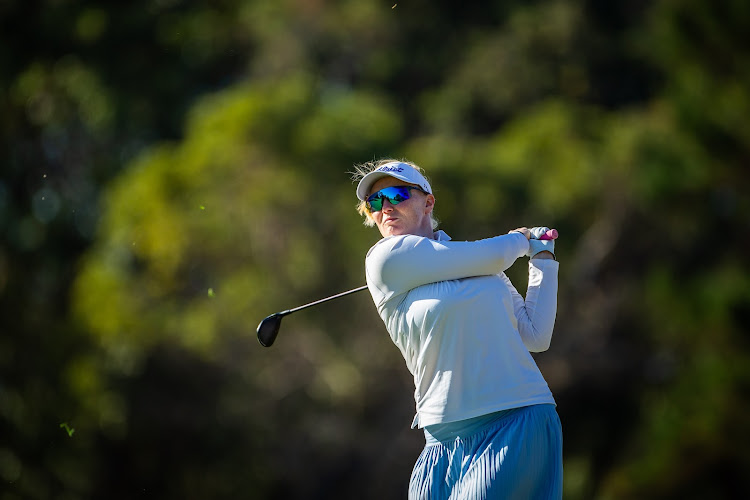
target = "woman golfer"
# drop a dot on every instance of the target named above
(489, 418)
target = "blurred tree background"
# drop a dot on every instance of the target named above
(173, 171)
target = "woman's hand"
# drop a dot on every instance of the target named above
(540, 249)
(523, 230)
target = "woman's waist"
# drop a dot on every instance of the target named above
(454, 405)
(449, 431)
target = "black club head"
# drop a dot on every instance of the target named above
(268, 329)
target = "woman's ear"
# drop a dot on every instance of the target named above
(429, 203)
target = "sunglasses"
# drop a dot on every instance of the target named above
(394, 195)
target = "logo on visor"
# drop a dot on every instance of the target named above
(386, 168)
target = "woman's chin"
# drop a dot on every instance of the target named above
(392, 231)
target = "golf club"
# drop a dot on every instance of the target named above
(549, 235)
(268, 329)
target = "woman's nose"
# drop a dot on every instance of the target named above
(387, 206)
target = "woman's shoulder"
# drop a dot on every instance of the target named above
(389, 243)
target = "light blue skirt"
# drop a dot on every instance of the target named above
(510, 454)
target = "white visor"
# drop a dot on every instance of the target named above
(396, 169)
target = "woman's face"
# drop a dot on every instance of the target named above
(410, 216)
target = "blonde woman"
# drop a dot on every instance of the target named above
(489, 418)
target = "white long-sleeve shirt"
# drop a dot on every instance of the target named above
(463, 329)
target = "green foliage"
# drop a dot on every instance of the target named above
(200, 240)
(190, 161)
(223, 211)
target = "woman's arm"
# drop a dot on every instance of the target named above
(536, 314)
(397, 264)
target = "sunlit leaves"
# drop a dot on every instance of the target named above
(231, 209)
(363, 123)
(518, 65)
(553, 152)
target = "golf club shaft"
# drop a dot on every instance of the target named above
(268, 329)
(298, 308)
(549, 235)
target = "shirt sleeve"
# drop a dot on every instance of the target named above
(536, 314)
(397, 264)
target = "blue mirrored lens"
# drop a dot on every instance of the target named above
(394, 195)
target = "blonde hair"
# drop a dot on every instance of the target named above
(363, 169)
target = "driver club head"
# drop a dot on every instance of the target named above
(268, 329)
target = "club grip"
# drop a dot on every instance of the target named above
(549, 235)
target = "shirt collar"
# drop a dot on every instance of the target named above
(441, 236)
